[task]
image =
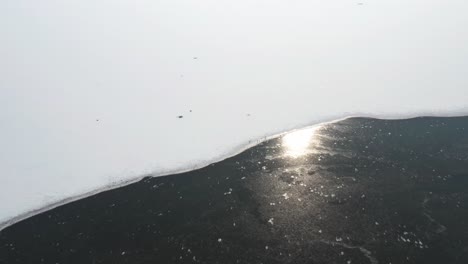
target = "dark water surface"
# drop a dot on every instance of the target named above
(356, 191)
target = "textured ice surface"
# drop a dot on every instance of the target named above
(93, 93)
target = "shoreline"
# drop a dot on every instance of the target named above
(228, 154)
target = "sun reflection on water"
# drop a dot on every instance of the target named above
(296, 144)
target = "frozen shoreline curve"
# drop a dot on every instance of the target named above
(98, 94)
(227, 155)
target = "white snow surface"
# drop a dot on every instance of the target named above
(90, 90)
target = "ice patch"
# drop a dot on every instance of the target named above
(84, 109)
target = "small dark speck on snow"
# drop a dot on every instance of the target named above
(180, 116)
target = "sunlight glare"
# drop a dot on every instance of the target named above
(297, 143)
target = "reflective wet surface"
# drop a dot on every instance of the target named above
(356, 191)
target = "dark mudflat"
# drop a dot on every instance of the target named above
(363, 191)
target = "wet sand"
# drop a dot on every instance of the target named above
(356, 191)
